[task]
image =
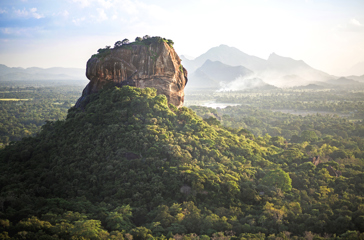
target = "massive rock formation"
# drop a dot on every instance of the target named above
(152, 63)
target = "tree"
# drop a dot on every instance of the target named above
(170, 42)
(279, 179)
(119, 219)
(118, 44)
(89, 229)
(125, 41)
(338, 154)
(141, 233)
(309, 136)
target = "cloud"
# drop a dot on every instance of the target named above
(102, 15)
(31, 13)
(137, 12)
(14, 31)
(353, 25)
(129, 7)
(21, 13)
(355, 22)
(105, 3)
(242, 83)
(129, 12)
(78, 21)
(65, 14)
(3, 11)
(5, 30)
(83, 3)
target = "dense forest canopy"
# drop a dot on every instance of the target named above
(127, 164)
(25, 108)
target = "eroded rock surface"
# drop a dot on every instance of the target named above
(155, 65)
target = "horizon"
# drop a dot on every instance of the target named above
(327, 35)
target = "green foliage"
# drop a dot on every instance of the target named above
(308, 136)
(102, 52)
(119, 219)
(181, 68)
(19, 119)
(141, 233)
(279, 179)
(127, 164)
(88, 229)
(126, 44)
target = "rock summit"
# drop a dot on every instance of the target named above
(148, 62)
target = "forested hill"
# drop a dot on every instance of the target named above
(126, 164)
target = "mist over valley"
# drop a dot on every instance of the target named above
(227, 68)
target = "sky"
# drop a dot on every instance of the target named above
(326, 34)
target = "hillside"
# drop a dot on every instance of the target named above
(126, 164)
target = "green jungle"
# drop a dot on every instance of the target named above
(282, 164)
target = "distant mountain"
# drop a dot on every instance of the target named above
(287, 72)
(345, 82)
(357, 78)
(311, 87)
(214, 73)
(337, 83)
(34, 73)
(357, 69)
(227, 55)
(276, 70)
(285, 63)
(217, 75)
(200, 79)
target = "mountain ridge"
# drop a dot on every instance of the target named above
(272, 71)
(219, 76)
(36, 73)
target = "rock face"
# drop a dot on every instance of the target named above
(154, 64)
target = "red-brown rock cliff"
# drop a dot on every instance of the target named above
(155, 65)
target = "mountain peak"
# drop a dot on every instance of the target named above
(224, 46)
(275, 58)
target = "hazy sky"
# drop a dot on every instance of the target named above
(326, 34)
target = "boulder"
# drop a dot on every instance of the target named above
(153, 63)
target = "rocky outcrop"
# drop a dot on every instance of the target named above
(333, 172)
(315, 160)
(153, 64)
